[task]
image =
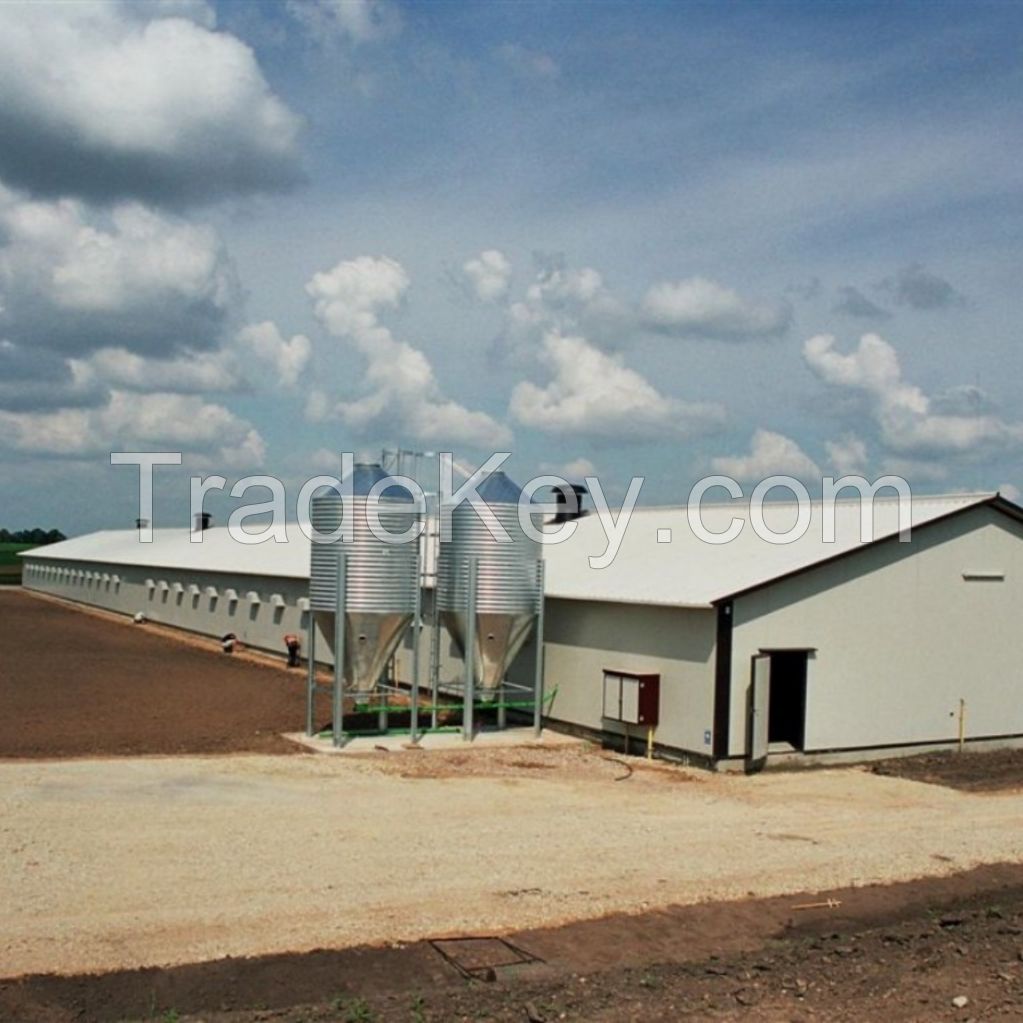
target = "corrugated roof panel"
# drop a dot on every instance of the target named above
(684, 571)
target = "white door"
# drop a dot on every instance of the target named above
(760, 695)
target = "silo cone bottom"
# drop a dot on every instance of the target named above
(370, 640)
(499, 637)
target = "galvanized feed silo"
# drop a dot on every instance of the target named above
(507, 595)
(381, 578)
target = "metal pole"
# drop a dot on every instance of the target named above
(502, 712)
(337, 720)
(538, 667)
(469, 696)
(434, 659)
(416, 631)
(310, 646)
(435, 624)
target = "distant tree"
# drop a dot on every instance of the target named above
(35, 536)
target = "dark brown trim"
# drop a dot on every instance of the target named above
(997, 502)
(723, 680)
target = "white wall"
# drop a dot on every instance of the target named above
(258, 625)
(900, 638)
(583, 638)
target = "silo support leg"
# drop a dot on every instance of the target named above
(337, 718)
(468, 722)
(417, 631)
(538, 666)
(310, 646)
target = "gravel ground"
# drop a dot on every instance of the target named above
(118, 863)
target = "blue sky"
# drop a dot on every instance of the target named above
(633, 239)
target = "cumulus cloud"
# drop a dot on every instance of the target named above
(847, 456)
(132, 421)
(73, 281)
(32, 378)
(403, 392)
(194, 373)
(698, 307)
(595, 394)
(355, 21)
(909, 421)
(565, 299)
(488, 275)
(852, 302)
(114, 100)
(770, 454)
(918, 288)
(288, 358)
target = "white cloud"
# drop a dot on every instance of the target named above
(403, 395)
(847, 456)
(195, 373)
(489, 274)
(770, 454)
(288, 358)
(133, 421)
(1011, 492)
(698, 307)
(904, 414)
(108, 100)
(597, 395)
(75, 282)
(357, 21)
(33, 378)
(566, 300)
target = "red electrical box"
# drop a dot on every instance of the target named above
(633, 698)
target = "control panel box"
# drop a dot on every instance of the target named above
(634, 698)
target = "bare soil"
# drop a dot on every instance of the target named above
(899, 952)
(991, 771)
(77, 684)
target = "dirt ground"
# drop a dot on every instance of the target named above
(77, 684)
(404, 885)
(972, 772)
(117, 863)
(945, 949)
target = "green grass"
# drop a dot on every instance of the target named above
(10, 563)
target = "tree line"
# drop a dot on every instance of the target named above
(35, 536)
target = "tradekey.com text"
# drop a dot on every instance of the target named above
(537, 518)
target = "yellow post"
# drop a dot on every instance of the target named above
(962, 724)
(650, 744)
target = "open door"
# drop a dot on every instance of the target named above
(759, 711)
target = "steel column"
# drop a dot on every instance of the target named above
(339, 649)
(538, 667)
(416, 630)
(469, 696)
(310, 646)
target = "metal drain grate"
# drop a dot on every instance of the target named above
(476, 958)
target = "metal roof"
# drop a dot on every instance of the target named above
(690, 572)
(685, 572)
